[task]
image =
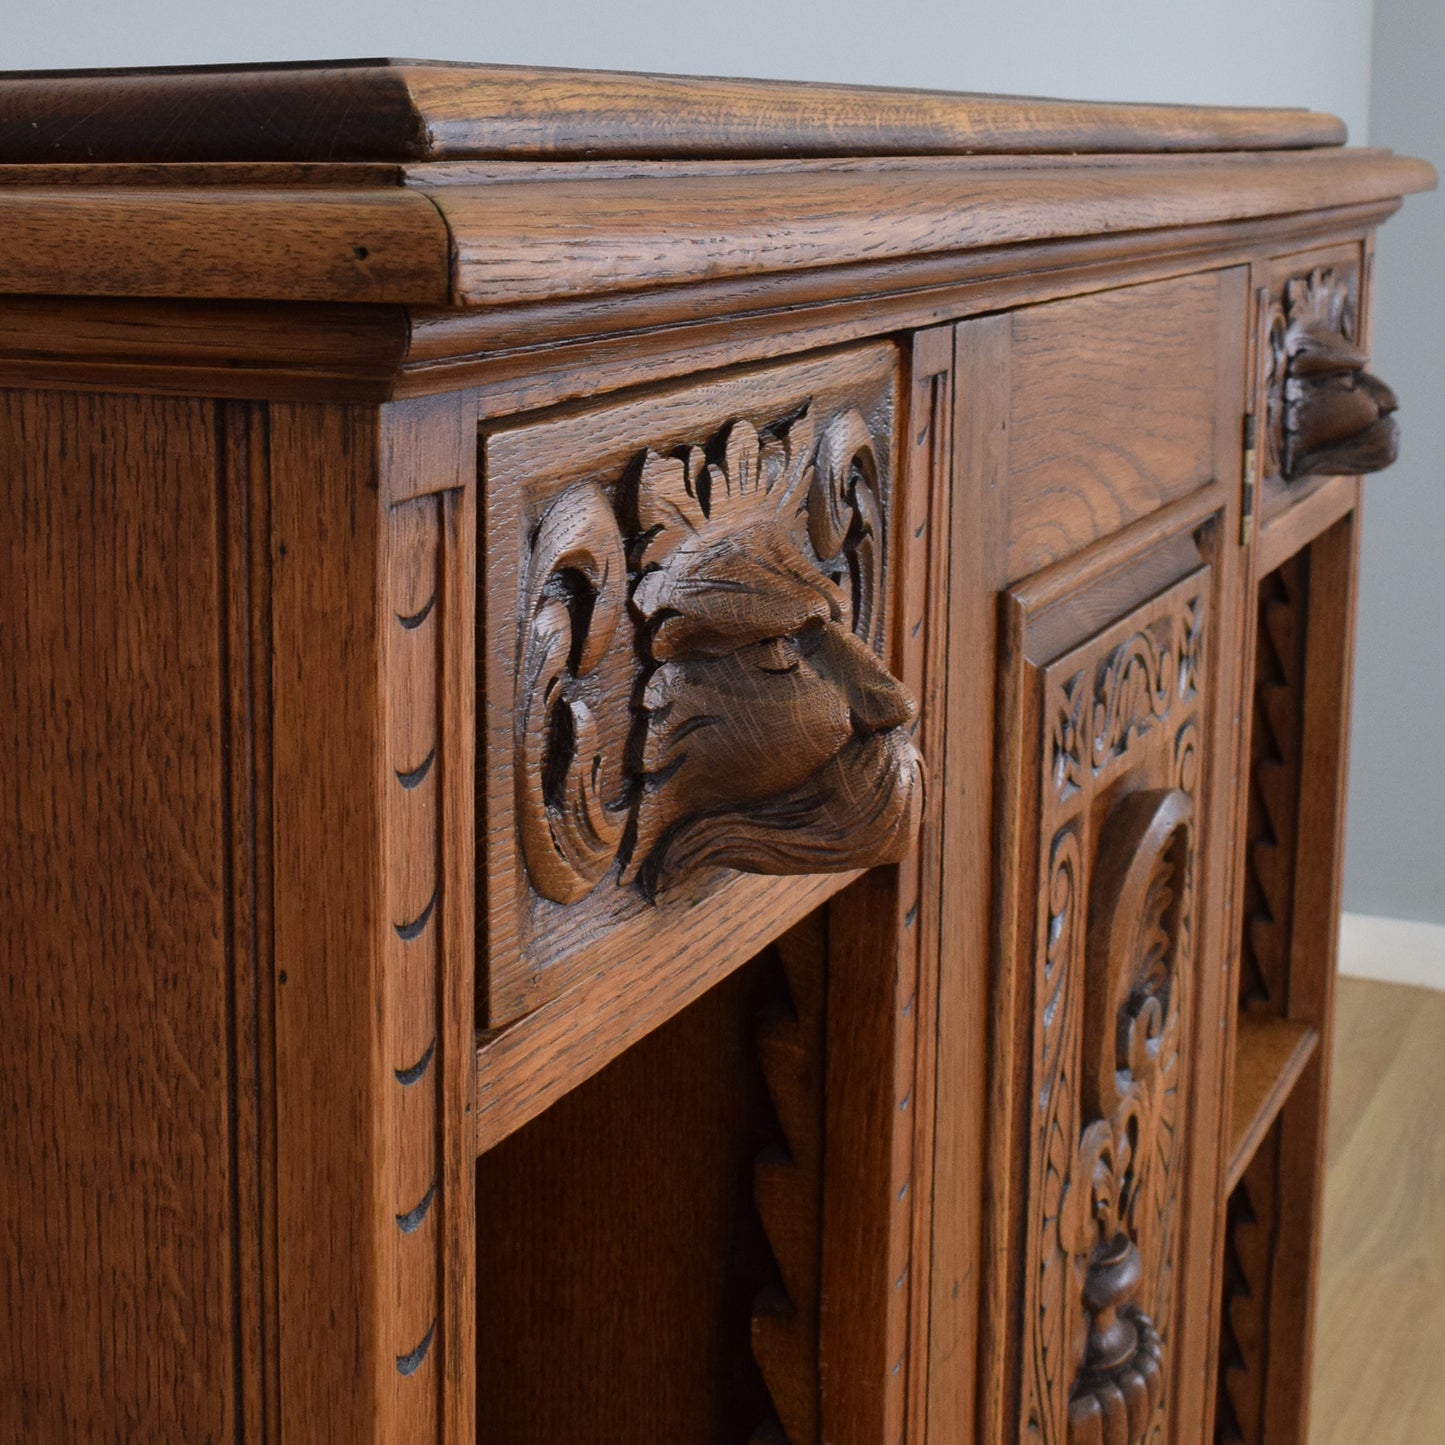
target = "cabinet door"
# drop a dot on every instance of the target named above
(1103, 437)
(1101, 956)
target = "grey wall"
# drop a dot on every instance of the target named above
(1286, 52)
(1290, 52)
(1394, 862)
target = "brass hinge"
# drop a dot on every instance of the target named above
(1246, 514)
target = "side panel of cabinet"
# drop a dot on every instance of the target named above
(129, 1257)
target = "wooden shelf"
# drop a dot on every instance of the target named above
(1269, 1056)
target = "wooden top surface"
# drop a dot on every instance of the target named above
(400, 110)
(485, 186)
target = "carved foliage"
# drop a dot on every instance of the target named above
(766, 734)
(574, 602)
(1324, 413)
(1097, 713)
(1054, 1348)
(1114, 959)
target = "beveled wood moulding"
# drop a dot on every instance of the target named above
(406, 110)
(628, 819)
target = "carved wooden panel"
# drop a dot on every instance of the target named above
(688, 602)
(1105, 972)
(372, 887)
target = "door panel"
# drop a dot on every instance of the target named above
(1105, 958)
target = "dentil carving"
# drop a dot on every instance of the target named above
(1325, 414)
(767, 735)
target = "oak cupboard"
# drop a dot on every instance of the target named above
(672, 756)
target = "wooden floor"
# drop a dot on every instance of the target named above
(1379, 1376)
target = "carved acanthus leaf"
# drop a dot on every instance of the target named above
(574, 601)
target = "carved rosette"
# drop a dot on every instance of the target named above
(1112, 988)
(766, 734)
(1324, 413)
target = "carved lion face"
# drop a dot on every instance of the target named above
(770, 735)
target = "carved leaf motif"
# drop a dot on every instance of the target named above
(1134, 691)
(1055, 1348)
(1069, 741)
(1108, 1031)
(575, 599)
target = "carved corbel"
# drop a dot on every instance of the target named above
(1326, 415)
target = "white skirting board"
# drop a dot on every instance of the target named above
(1393, 950)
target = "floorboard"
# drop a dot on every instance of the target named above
(1379, 1375)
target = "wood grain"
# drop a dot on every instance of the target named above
(396, 110)
(537, 354)
(1382, 1267)
(1269, 1056)
(528, 241)
(325, 957)
(367, 1072)
(924, 564)
(1112, 413)
(1198, 1329)
(1300, 678)
(975, 428)
(235, 244)
(540, 241)
(540, 939)
(758, 1158)
(1314, 940)
(868, 1163)
(523, 1069)
(618, 1253)
(121, 1169)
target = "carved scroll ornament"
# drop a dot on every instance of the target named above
(1326, 415)
(765, 734)
(1131, 1031)
(1112, 973)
